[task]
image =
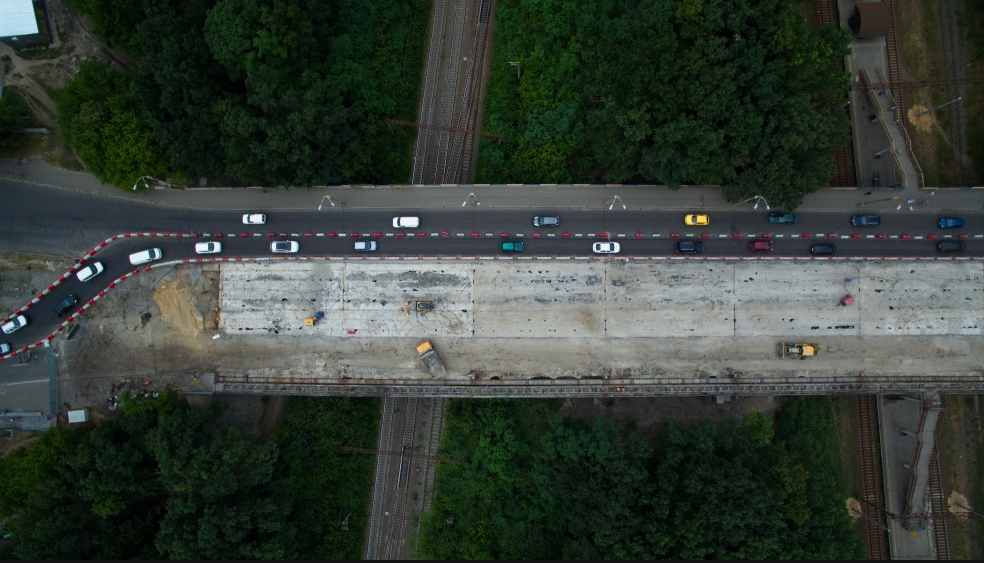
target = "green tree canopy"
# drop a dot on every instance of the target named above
(101, 120)
(734, 93)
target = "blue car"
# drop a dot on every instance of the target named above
(950, 223)
(779, 218)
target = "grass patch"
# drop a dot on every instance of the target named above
(961, 444)
(933, 134)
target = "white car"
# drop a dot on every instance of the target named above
(210, 247)
(90, 271)
(607, 247)
(16, 323)
(254, 219)
(145, 256)
(285, 247)
(406, 222)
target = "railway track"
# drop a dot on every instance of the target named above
(843, 157)
(428, 105)
(938, 503)
(873, 495)
(843, 168)
(395, 542)
(452, 92)
(954, 72)
(374, 537)
(826, 10)
(436, 428)
(462, 148)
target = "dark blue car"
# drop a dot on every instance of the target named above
(950, 223)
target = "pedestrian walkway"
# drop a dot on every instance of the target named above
(503, 196)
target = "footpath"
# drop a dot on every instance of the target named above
(519, 196)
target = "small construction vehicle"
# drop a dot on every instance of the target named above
(424, 306)
(427, 354)
(311, 321)
(798, 350)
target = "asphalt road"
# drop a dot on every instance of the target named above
(43, 220)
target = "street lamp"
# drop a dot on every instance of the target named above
(611, 203)
(331, 202)
(472, 197)
(146, 185)
(758, 199)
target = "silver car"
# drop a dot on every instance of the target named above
(16, 323)
(546, 221)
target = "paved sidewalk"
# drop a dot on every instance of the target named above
(637, 197)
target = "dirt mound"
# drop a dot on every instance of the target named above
(176, 301)
(923, 123)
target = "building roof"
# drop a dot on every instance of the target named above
(874, 19)
(17, 18)
(78, 415)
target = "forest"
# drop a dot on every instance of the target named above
(250, 92)
(163, 481)
(530, 485)
(731, 93)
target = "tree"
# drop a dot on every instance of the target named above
(223, 500)
(100, 120)
(114, 21)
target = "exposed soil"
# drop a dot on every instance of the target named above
(37, 74)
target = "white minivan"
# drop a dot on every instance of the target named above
(406, 222)
(145, 256)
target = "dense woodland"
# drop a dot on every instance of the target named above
(736, 93)
(163, 481)
(251, 92)
(529, 485)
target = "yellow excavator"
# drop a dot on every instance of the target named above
(798, 350)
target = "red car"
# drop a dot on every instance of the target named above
(757, 245)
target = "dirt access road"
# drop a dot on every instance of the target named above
(35, 73)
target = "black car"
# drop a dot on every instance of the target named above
(866, 220)
(65, 305)
(690, 246)
(823, 249)
(951, 246)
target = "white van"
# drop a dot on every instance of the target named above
(145, 256)
(406, 222)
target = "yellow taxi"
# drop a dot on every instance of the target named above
(697, 219)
